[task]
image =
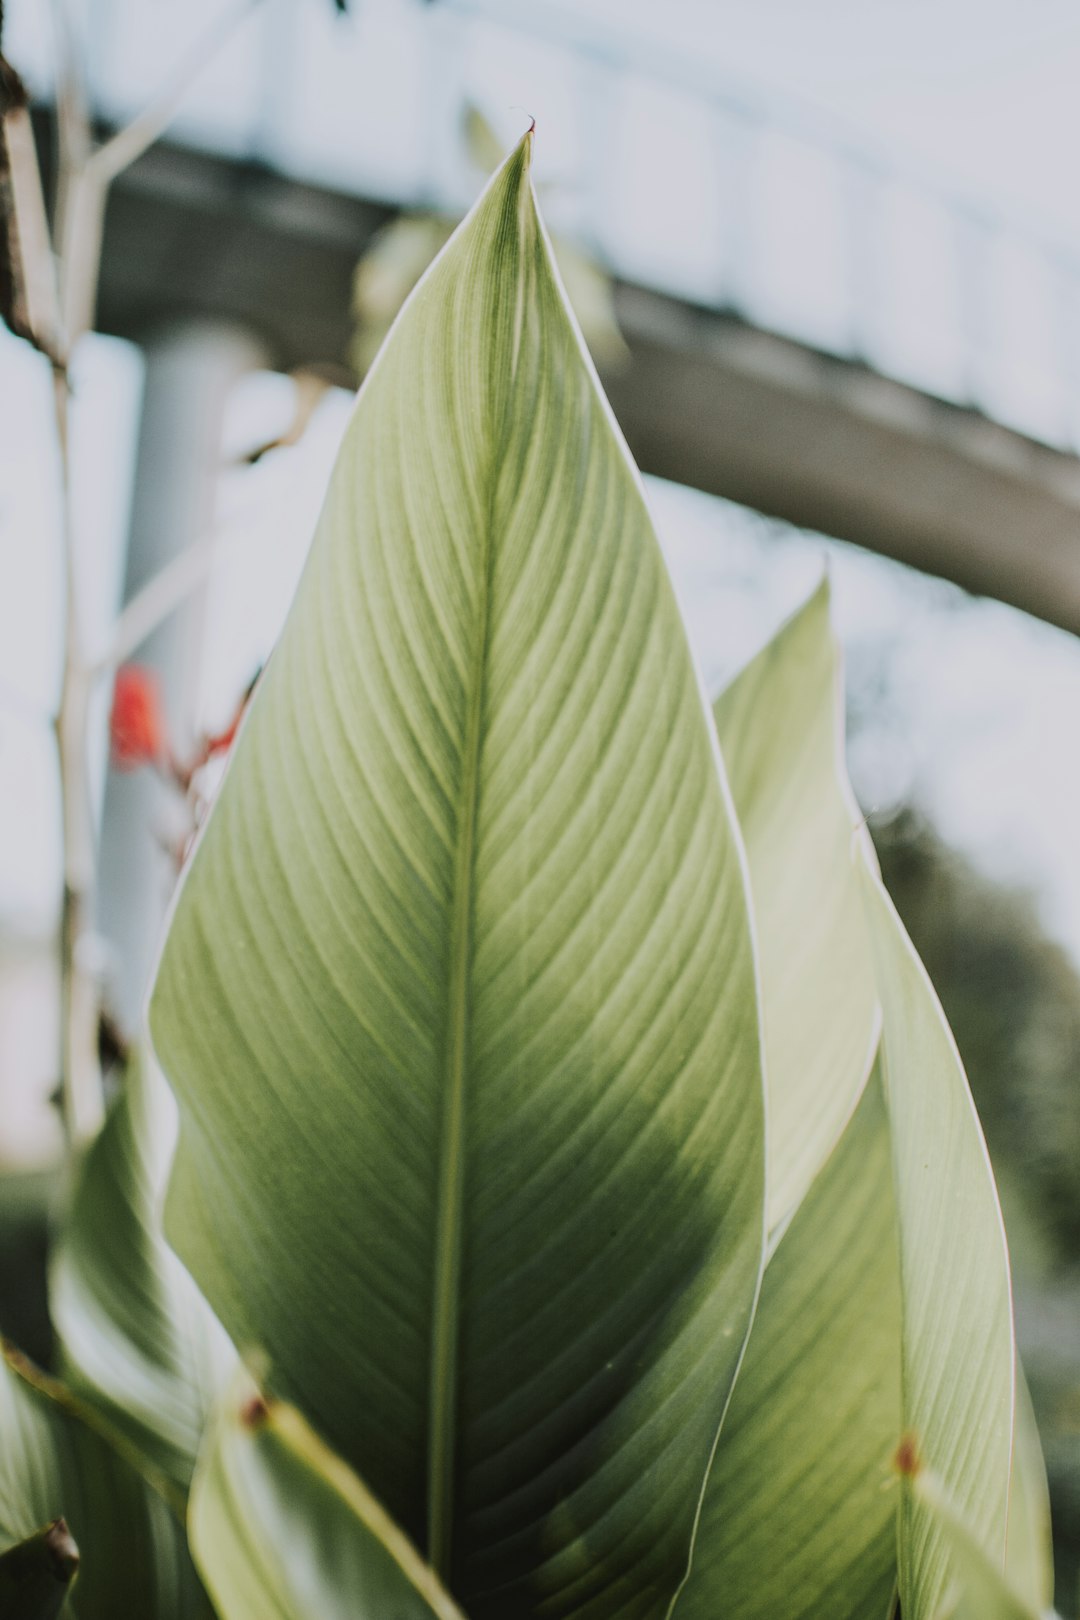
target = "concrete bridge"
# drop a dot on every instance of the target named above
(812, 332)
(710, 398)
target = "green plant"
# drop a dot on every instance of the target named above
(484, 963)
(402, 250)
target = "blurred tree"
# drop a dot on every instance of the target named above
(1012, 996)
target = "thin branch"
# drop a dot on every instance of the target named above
(82, 189)
(161, 596)
(72, 104)
(80, 1071)
(82, 226)
(128, 144)
(86, 173)
(31, 269)
(80, 201)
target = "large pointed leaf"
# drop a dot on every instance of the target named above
(958, 1351)
(781, 726)
(1029, 1550)
(36, 1574)
(797, 1520)
(458, 997)
(57, 1461)
(282, 1529)
(137, 1339)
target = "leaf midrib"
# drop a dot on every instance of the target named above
(443, 1378)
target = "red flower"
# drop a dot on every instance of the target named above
(137, 725)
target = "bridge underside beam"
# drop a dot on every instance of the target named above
(705, 400)
(832, 446)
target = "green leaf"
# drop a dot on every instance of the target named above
(385, 276)
(282, 1529)
(979, 1590)
(402, 250)
(781, 727)
(958, 1351)
(36, 1574)
(795, 1520)
(58, 1461)
(136, 1338)
(458, 997)
(798, 1519)
(1029, 1550)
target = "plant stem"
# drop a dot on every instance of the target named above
(82, 190)
(78, 242)
(80, 1071)
(128, 144)
(160, 597)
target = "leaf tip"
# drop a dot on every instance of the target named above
(523, 150)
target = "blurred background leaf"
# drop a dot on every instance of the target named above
(135, 1336)
(36, 1574)
(59, 1461)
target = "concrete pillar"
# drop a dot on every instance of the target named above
(190, 368)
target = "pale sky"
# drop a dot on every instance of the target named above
(978, 93)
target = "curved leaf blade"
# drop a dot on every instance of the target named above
(467, 932)
(282, 1529)
(781, 729)
(137, 1340)
(57, 1461)
(958, 1347)
(798, 1519)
